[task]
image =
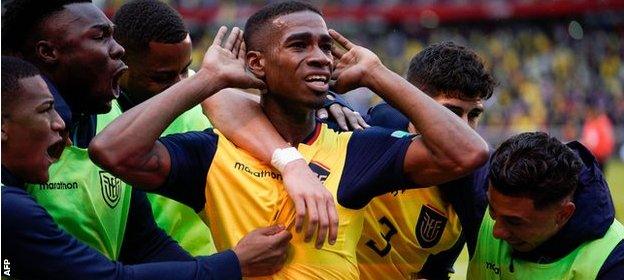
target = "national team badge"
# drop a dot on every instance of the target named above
(111, 188)
(429, 227)
(320, 170)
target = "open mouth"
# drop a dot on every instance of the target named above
(56, 150)
(318, 82)
(116, 77)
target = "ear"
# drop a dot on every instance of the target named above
(47, 52)
(566, 211)
(255, 63)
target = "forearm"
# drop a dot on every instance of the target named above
(448, 139)
(140, 126)
(223, 265)
(239, 117)
(124, 146)
(219, 266)
(38, 249)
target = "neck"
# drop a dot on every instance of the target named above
(292, 121)
(83, 125)
(67, 93)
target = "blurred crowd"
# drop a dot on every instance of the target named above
(551, 74)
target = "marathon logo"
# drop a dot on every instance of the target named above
(58, 186)
(429, 227)
(111, 188)
(256, 173)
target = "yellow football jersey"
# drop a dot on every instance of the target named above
(402, 229)
(243, 194)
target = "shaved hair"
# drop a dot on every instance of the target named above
(257, 24)
(13, 70)
(139, 22)
(21, 21)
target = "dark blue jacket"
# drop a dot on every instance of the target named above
(38, 249)
(592, 218)
(34, 247)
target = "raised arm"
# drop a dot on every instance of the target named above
(250, 129)
(447, 149)
(128, 147)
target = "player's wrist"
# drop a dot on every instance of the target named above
(373, 74)
(282, 157)
(211, 79)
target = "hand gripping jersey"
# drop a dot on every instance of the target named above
(86, 201)
(402, 230)
(243, 194)
(175, 218)
(238, 194)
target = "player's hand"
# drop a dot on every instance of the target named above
(263, 251)
(346, 119)
(312, 198)
(352, 66)
(227, 60)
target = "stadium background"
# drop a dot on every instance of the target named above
(555, 61)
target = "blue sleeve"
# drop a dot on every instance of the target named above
(144, 241)
(36, 248)
(468, 197)
(386, 116)
(191, 155)
(374, 166)
(613, 267)
(337, 99)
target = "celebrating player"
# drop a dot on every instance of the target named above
(417, 233)
(289, 52)
(71, 42)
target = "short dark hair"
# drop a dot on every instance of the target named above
(450, 69)
(258, 21)
(140, 22)
(13, 70)
(536, 166)
(22, 18)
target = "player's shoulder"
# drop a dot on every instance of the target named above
(377, 133)
(198, 144)
(387, 116)
(14, 197)
(19, 207)
(208, 134)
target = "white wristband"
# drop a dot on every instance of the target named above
(281, 157)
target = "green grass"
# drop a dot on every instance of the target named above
(615, 178)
